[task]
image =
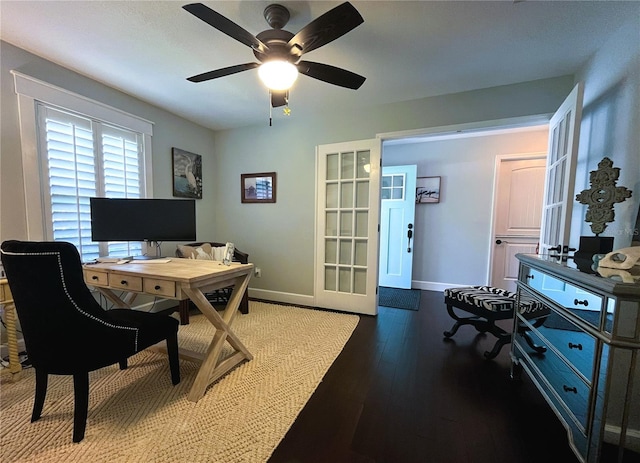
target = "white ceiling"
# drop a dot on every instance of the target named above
(407, 50)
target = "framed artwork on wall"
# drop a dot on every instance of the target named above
(427, 190)
(187, 174)
(258, 188)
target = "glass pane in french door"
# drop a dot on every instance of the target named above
(346, 210)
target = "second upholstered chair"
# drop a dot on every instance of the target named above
(66, 332)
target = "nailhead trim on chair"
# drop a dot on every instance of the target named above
(64, 286)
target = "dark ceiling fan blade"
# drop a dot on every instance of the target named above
(226, 26)
(331, 74)
(326, 28)
(278, 98)
(223, 72)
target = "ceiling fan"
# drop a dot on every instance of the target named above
(277, 47)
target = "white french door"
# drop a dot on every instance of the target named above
(347, 218)
(564, 132)
(397, 219)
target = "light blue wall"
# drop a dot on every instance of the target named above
(611, 127)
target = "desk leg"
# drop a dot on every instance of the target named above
(212, 367)
(115, 299)
(14, 359)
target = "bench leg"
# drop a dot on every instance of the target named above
(482, 325)
(503, 338)
(478, 323)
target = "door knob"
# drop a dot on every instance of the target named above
(409, 235)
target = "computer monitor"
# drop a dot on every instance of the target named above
(118, 219)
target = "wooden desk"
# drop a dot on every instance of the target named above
(10, 318)
(181, 279)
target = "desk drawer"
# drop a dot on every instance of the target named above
(96, 278)
(160, 287)
(126, 282)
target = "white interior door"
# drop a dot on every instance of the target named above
(397, 218)
(518, 211)
(347, 217)
(564, 131)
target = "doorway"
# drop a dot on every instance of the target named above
(397, 217)
(519, 186)
(452, 238)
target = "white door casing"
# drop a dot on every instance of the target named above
(397, 218)
(347, 218)
(564, 132)
(517, 214)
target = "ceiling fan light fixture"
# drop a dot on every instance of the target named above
(278, 74)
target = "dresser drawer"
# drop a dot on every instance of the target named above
(96, 278)
(575, 431)
(571, 391)
(571, 342)
(126, 282)
(581, 302)
(160, 287)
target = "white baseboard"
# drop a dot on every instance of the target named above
(277, 296)
(434, 286)
(632, 441)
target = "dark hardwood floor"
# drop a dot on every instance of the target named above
(400, 393)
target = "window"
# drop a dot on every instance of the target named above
(392, 187)
(82, 158)
(75, 148)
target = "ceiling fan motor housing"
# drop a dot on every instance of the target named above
(276, 15)
(278, 42)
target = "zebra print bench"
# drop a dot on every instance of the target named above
(487, 305)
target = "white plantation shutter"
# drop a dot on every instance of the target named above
(83, 158)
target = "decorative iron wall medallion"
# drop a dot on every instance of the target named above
(602, 195)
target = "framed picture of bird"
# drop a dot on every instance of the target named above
(187, 174)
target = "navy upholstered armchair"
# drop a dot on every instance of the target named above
(66, 332)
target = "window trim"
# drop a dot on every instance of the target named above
(31, 90)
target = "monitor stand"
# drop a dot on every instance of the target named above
(151, 245)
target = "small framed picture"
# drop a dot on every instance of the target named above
(258, 188)
(187, 174)
(427, 190)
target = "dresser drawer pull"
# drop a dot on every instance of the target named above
(570, 389)
(584, 303)
(124, 282)
(94, 277)
(575, 346)
(157, 287)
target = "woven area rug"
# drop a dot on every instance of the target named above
(399, 298)
(136, 415)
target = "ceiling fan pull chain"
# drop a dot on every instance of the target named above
(270, 110)
(286, 110)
